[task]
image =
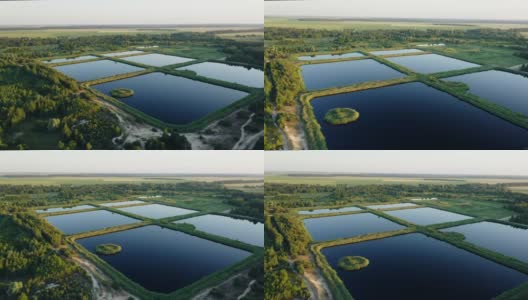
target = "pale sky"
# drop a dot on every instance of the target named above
(444, 9)
(413, 162)
(174, 162)
(106, 12)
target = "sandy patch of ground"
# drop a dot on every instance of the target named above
(225, 133)
(131, 129)
(228, 288)
(101, 289)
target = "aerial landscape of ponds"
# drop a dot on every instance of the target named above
(511, 94)
(173, 99)
(395, 52)
(330, 56)
(157, 60)
(174, 259)
(329, 210)
(236, 229)
(63, 209)
(429, 266)
(335, 227)
(156, 211)
(431, 63)
(415, 116)
(238, 74)
(62, 60)
(96, 69)
(336, 74)
(505, 239)
(426, 216)
(89, 221)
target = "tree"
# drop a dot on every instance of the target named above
(53, 123)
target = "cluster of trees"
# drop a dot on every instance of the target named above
(246, 204)
(524, 68)
(294, 40)
(284, 196)
(32, 265)
(31, 92)
(286, 239)
(282, 83)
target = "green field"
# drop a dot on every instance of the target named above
(375, 24)
(356, 180)
(76, 32)
(480, 208)
(489, 55)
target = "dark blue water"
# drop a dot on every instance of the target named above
(165, 260)
(505, 239)
(231, 73)
(236, 229)
(415, 116)
(336, 227)
(431, 63)
(506, 89)
(336, 74)
(426, 215)
(88, 221)
(328, 210)
(330, 56)
(156, 211)
(157, 60)
(416, 267)
(96, 69)
(395, 52)
(61, 60)
(173, 99)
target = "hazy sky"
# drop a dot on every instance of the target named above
(430, 162)
(224, 162)
(99, 12)
(454, 9)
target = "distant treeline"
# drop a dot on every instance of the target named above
(296, 40)
(238, 51)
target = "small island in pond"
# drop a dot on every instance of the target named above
(108, 249)
(122, 93)
(353, 263)
(341, 116)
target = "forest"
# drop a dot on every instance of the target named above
(33, 93)
(33, 252)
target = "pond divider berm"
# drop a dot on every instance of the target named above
(187, 292)
(316, 139)
(338, 288)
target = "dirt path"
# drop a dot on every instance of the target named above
(100, 290)
(131, 130)
(316, 283)
(285, 139)
(247, 290)
(243, 134)
(203, 295)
